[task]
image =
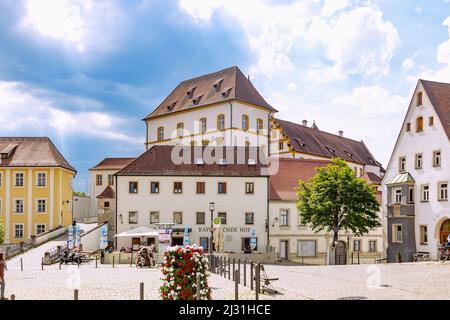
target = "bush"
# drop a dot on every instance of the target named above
(180, 268)
(2, 232)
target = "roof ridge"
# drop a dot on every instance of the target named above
(431, 81)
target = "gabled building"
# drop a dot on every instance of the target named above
(415, 187)
(35, 187)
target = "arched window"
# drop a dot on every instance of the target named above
(203, 125)
(419, 124)
(180, 129)
(244, 122)
(259, 125)
(221, 122)
(160, 134)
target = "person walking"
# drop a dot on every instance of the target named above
(3, 267)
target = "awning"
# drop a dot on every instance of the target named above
(403, 178)
(139, 232)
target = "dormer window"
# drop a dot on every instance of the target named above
(190, 92)
(217, 84)
(349, 154)
(419, 99)
(302, 144)
(197, 100)
(226, 93)
(171, 106)
(331, 150)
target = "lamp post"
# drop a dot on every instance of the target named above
(212, 206)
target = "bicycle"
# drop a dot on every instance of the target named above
(444, 253)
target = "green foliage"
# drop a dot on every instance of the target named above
(2, 232)
(79, 194)
(335, 199)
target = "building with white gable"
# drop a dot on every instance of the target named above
(415, 187)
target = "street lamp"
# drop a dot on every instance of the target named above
(212, 206)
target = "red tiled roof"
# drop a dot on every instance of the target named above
(31, 152)
(439, 94)
(225, 85)
(157, 161)
(284, 182)
(108, 193)
(320, 143)
(113, 163)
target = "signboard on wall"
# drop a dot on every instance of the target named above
(104, 236)
(186, 236)
(70, 237)
(253, 238)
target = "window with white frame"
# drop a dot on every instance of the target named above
(249, 218)
(18, 231)
(132, 217)
(443, 191)
(284, 218)
(419, 161)
(18, 182)
(397, 195)
(372, 245)
(411, 195)
(397, 235)
(154, 217)
(357, 245)
(223, 217)
(178, 217)
(41, 204)
(41, 179)
(402, 164)
(437, 158)
(40, 229)
(18, 206)
(423, 234)
(425, 193)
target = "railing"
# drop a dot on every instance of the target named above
(14, 249)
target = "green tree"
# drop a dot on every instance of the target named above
(2, 232)
(335, 199)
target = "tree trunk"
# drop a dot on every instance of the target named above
(335, 237)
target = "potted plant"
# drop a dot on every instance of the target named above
(399, 257)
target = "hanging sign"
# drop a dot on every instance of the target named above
(104, 236)
(70, 237)
(186, 236)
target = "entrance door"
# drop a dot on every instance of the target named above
(445, 231)
(135, 243)
(283, 249)
(341, 252)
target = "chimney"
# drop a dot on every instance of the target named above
(341, 133)
(305, 123)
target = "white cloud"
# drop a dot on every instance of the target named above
(410, 62)
(330, 7)
(292, 87)
(81, 24)
(23, 109)
(372, 101)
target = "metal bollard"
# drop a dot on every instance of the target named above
(131, 260)
(245, 272)
(113, 261)
(352, 257)
(257, 280)
(236, 284)
(21, 264)
(119, 257)
(60, 263)
(42, 263)
(358, 257)
(234, 266)
(96, 261)
(239, 269)
(13, 297)
(229, 268)
(251, 275)
(197, 286)
(141, 291)
(75, 294)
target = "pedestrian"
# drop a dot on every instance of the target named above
(3, 267)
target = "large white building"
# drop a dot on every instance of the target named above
(415, 187)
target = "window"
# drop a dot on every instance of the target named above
(357, 245)
(222, 187)
(419, 161)
(41, 179)
(106, 204)
(244, 122)
(204, 243)
(40, 229)
(411, 195)
(133, 187)
(19, 179)
(132, 217)
(259, 125)
(203, 125)
(246, 244)
(178, 217)
(280, 145)
(18, 231)
(160, 134)
(18, 206)
(249, 188)
(431, 121)
(397, 233)
(443, 191)
(402, 164)
(408, 127)
(223, 217)
(372, 245)
(249, 218)
(154, 187)
(200, 187)
(98, 180)
(284, 218)
(306, 248)
(221, 122)
(419, 124)
(110, 179)
(436, 158)
(200, 218)
(397, 195)
(425, 193)
(423, 234)
(154, 217)
(419, 99)
(178, 187)
(180, 129)
(41, 205)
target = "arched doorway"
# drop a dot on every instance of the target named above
(445, 231)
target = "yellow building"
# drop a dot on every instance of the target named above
(35, 187)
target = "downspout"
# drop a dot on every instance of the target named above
(268, 215)
(146, 135)
(231, 122)
(116, 225)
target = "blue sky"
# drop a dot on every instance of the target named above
(85, 72)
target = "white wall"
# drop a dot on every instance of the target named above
(235, 203)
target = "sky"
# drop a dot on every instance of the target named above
(86, 72)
